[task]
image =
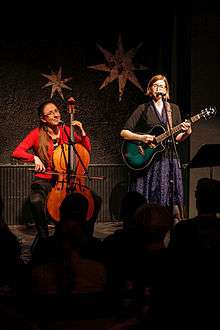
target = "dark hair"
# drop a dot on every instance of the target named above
(129, 204)
(73, 211)
(74, 207)
(43, 136)
(153, 221)
(41, 107)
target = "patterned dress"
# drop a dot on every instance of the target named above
(161, 182)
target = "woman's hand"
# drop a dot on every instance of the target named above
(79, 125)
(186, 127)
(147, 138)
(39, 166)
(186, 130)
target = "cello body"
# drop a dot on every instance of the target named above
(66, 184)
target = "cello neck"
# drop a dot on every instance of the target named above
(71, 154)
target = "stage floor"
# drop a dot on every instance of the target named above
(26, 234)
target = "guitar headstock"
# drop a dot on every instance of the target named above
(208, 112)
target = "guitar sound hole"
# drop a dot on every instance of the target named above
(141, 150)
(152, 145)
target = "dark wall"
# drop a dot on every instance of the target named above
(205, 73)
(37, 39)
(183, 43)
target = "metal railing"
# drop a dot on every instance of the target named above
(16, 182)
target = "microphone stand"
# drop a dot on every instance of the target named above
(71, 144)
(171, 151)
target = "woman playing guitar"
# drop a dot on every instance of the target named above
(161, 183)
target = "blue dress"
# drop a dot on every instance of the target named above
(162, 182)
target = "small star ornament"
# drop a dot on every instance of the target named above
(56, 82)
(120, 66)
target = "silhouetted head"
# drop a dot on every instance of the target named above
(74, 207)
(153, 222)
(69, 230)
(207, 196)
(129, 204)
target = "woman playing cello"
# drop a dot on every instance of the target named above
(43, 140)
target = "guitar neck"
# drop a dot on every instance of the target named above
(176, 129)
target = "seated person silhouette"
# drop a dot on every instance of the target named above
(64, 270)
(120, 250)
(195, 248)
(202, 231)
(13, 274)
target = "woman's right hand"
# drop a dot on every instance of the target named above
(147, 138)
(39, 166)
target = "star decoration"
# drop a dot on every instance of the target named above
(56, 82)
(119, 66)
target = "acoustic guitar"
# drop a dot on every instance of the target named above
(138, 155)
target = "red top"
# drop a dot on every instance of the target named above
(31, 141)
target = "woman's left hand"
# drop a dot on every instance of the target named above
(79, 125)
(186, 127)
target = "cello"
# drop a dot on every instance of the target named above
(70, 162)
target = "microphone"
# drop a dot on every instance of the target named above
(61, 122)
(161, 94)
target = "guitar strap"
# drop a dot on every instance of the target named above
(169, 115)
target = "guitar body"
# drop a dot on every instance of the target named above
(138, 155)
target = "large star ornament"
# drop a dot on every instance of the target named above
(56, 82)
(120, 66)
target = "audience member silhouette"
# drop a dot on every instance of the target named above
(66, 271)
(10, 259)
(195, 249)
(12, 319)
(153, 222)
(120, 250)
(129, 204)
(138, 264)
(202, 232)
